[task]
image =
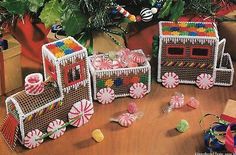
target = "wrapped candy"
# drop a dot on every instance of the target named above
(193, 103)
(176, 101)
(97, 135)
(127, 119)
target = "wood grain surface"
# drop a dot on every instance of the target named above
(153, 134)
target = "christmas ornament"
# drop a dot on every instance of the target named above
(146, 15)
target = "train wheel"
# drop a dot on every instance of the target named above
(31, 139)
(81, 112)
(106, 95)
(205, 81)
(138, 90)
(54, 127)
(170, 80)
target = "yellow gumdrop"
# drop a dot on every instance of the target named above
(201, 29)
(132, 18)
(109, 83)
(97, 135)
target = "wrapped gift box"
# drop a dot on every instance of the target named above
(11, 67)
(229, 113)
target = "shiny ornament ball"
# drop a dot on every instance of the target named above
(154, 10)
(132, 18)
(138, 18)
(146, 15)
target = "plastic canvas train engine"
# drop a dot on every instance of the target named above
(45, 108)
(120, 78)
(191, 53)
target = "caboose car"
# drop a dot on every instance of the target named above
(191, 53)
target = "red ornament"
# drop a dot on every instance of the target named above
(138, 18)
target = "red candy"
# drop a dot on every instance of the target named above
(132, 108)
(193, 103)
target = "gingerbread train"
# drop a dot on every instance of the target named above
(46, 108)
(191, 53)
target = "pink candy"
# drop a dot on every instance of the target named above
(132, 108)
(193, 103)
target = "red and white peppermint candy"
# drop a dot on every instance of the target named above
(106, 63)
(138, 90)
(116, 64)
(31, 141)
(96, 62)
(34, 84)
(106, 95)
(126, 119)
(177, 101)
(54, 127)
(138, 57)
(170, 80)
(83, 108)
(205, 81)
(124, 54)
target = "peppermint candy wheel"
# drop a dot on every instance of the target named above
(106, 64)
(54, 127)
(126, 119)
(205, 81)
(177, 101)
(138, 90)
(83, 108)
(106, 95)
(170, 80)
(31, 141)
(138, 57)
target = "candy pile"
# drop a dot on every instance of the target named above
(121, 59)
(34, 84)
(63, 47)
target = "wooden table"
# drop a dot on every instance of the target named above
(154, 134)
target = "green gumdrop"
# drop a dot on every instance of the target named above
(182, 126)
(165, 28)
(100, 83)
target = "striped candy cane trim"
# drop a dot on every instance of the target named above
(34, 84)
(54, 127)
(123, 11)
(106, 95)
(138, 90)
(30, 139)
(126, 119)
(170, 80)
(83, 107)
(205, 81)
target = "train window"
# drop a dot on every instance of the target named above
(50, 69)
(74, 73)
(175, 51)
(200, 52)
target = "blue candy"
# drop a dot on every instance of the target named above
(192, 33)
(59, 44)
(68, 51)
(174, 28)
(199, 25)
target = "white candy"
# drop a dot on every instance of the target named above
(83, 107)
(30, 139)
(106, 95)
(126, 119)
(205, 81)
(138, 90)
(54, 126)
